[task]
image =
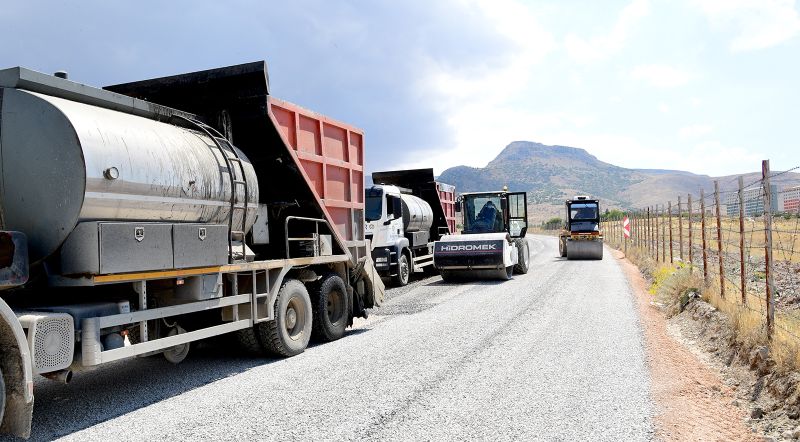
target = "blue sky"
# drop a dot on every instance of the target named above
(708, 86)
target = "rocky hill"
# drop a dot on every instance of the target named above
(552, 173)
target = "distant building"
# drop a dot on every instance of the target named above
(753, 201)
(791, 199)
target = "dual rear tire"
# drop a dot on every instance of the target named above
(299, 316)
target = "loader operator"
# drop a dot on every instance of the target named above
(489, 219)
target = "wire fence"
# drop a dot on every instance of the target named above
(745, 241)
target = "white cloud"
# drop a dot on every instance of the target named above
(660, 75)
(757, 24)
(695, 130)
(663, 108)
(479, 102)
(716, 159)
(603, 46)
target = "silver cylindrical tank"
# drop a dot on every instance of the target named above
(64, 162)
(417, 214)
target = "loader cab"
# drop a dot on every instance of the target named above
(494, 212)
(583, 215)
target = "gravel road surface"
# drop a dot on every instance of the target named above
(556, 354)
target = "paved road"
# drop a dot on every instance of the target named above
(556, 354)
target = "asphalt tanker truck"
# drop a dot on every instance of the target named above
(141, 217)
(492, 243)
(406, 211)
(581, 237)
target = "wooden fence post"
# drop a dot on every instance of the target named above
(691, 260)
(768, 247)
(669, 214)
(680, 230)
(742, 279)
(649, 233)
(663, 236)
(655, 232)
(719, 241)
(703, 235)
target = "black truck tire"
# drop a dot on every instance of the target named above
(330, 307)
(403, 271)
(448, 276)
(288, 334)
(523, 256)
(248, 341)
(2, 396)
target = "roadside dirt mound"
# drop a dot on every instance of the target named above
(693, 402)
(769, 399)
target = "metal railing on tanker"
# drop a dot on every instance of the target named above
(742, 237)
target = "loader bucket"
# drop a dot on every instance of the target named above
(584, 249)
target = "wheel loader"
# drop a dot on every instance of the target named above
(492, 243)
(581, 237)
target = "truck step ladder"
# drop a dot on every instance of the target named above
(234, 234)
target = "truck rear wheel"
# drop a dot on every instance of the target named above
(523, 257)
(403, 271)
(2, 396)
(331, 308)
(289, 332)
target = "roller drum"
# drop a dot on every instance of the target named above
(417, 214)
(65, 162)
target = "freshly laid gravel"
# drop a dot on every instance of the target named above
(556, 354)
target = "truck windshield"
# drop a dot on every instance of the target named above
(482, 214)
(374, 205)
(583, 212)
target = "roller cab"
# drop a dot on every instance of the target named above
(581, 237)
(492, 244)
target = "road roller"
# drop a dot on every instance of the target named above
(492, 243)
(581, 237)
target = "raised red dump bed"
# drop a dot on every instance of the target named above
(331, 155)
(328, 180)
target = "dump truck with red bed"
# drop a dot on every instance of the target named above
(141, 217)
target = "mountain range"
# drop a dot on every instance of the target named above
(550, 174)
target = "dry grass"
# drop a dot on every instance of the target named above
(673, 284)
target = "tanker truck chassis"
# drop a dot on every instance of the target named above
(130, 228)
(406, 211)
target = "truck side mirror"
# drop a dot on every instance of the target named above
(458, 205)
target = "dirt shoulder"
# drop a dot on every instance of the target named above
(692, 401)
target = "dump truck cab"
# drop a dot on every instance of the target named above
(492, 243)
(581, 237)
